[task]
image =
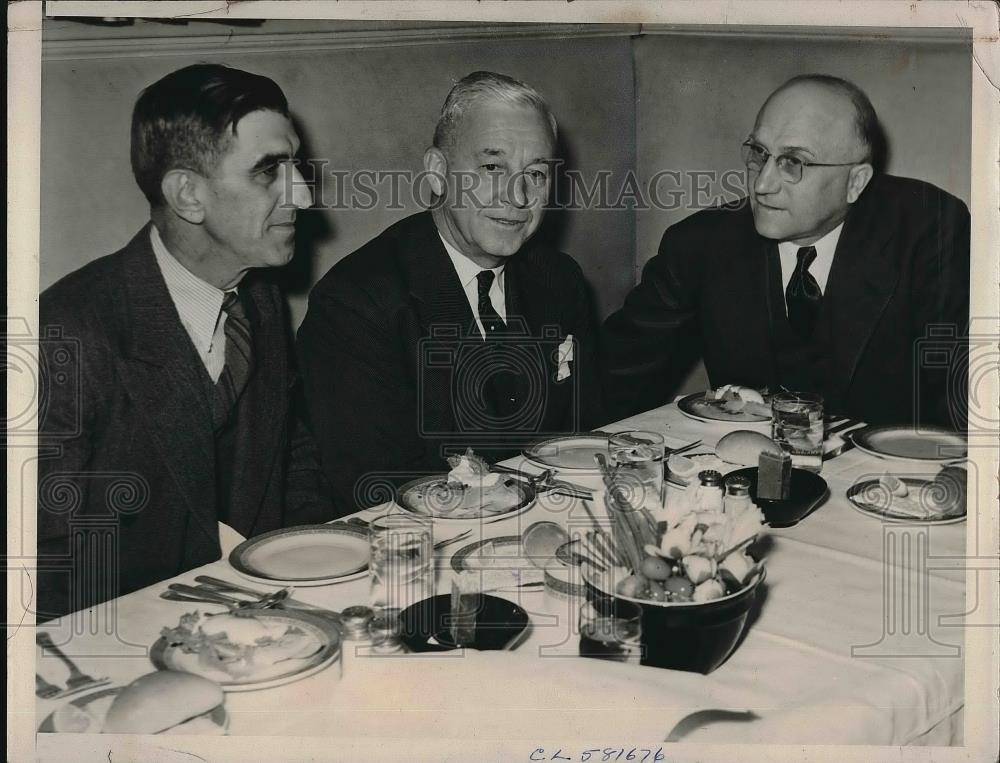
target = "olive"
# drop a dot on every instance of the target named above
(656, 591)
(655, 568)
(679, 586)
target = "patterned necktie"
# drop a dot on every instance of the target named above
(239, 358)
(803, 296)
(491, 320)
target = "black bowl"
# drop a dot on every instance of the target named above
(808, 490)
(694, 637)
(498, 623)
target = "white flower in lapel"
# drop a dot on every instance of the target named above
(565, 356)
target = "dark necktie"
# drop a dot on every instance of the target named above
(803, 296)
(239, 358)
(491, 320)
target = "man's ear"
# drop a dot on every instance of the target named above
(436, 167)
(180, 190)
(857, 181)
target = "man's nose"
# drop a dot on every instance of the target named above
(516, 191)
(768, 180)
(301, 195)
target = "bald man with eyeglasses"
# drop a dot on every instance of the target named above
(829, 277)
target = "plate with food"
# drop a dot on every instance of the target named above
(470, 491)
(247, 650)
(569, 453)
(164, 702)
(727, 403)
(307, 555)
(939, 501)
(924, 445)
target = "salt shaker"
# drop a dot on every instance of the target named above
(737, 495)
(385, 632)
(710, 490)
(355, 623)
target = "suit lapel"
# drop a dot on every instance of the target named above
(861, 283)
(160, 376)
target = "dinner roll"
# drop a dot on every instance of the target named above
(157, 701)
(745, 446)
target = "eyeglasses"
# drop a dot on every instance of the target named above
(790, 167)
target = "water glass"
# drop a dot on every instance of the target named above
(638, 456)
(797, 426)
(611, 629)
(401, 564)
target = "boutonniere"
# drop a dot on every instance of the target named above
(565, 356)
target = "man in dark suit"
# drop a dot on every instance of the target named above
(454, 327)
(176, 415)
(833, 278)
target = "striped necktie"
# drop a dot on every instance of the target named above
(239, 357)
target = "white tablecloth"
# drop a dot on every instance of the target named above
(851, 643)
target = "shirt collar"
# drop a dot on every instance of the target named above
(468, 270)
(198, 302)
(825, 246)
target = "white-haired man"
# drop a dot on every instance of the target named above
(454, 327)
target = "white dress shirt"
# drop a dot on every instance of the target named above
(199, 305)
(820, 268)
(467, 273)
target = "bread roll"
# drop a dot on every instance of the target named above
(156, 701)
(745, 446)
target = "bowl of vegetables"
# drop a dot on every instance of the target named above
(690, 572)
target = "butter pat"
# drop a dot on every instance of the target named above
(774, 476)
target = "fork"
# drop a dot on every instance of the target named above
(77, 678)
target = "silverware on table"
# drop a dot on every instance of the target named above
(461, 536)
(219, 585)
(77, 678)
(681, 449)
(696, 720)
(44, 689)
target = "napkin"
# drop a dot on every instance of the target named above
(565, 356)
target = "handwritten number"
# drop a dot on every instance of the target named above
(631, 754)
(645, 755)
(659, 755)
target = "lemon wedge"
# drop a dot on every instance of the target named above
(894, 485)
(682, 466)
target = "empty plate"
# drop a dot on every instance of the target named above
(570, 452)
(309, 555)
(927, 444)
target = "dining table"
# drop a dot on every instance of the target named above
(855, 637)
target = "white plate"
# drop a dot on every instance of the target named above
(97, 704)
(694, 407)
(907, 444)
(570, 453)
(527, 499)
(873, 500)
(165, 656)
(310, 555)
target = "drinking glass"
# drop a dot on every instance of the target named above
(401, 564)
(611, 629)
(639, 458)
(797, 426)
